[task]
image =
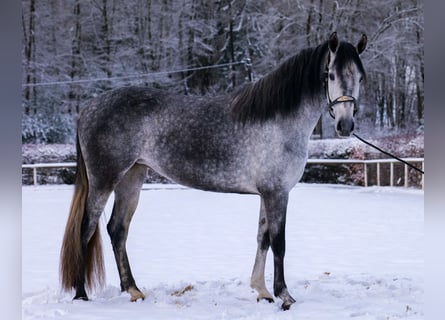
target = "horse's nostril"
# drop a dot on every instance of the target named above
(339, 127)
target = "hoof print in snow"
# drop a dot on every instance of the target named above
(179, 293)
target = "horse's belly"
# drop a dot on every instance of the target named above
(206, 175)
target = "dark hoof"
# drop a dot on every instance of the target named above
(81, 294)
(82, 298)
(286, 304)
(270, 300)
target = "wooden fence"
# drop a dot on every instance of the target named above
(365, 164)
(378, 162)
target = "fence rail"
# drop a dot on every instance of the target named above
(365, 164)
(35, 166)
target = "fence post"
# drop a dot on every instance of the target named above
(391, 174)
(423, 176)
(406, 176)
(378, 174)
(366, 173)
(34, 175)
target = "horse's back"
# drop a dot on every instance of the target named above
(120, 107)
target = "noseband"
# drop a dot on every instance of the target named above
(341, 99)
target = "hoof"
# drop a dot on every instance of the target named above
(268, 299)
(81, 294)
(286, 304)
(135, 294)
(81, 298)
(263, 294)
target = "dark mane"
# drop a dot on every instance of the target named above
(282, 90)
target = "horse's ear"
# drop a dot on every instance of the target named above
(361, 45)
(333, 42)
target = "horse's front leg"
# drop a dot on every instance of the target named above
(257, 281)
(276, 206)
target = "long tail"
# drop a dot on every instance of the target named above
(72, 263)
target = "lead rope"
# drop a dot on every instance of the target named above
(388, 154)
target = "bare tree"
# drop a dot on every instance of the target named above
(75, 40)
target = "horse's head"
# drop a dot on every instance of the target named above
(344, 73)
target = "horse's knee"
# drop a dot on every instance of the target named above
(277, 239)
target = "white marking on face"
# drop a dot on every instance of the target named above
(343, 84)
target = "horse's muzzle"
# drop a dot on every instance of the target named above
(345, 127)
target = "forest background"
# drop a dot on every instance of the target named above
(74, 50)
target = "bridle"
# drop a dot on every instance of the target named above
(341, 99)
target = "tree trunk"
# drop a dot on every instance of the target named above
(75, 58)
(232, 44)
(30, 56)
(106, 30)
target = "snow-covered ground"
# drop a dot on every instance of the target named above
(352, 253)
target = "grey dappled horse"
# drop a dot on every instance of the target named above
(252, 141)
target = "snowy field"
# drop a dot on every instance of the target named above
(352, 253)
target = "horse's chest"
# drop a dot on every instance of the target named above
(278, 163)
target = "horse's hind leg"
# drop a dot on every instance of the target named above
(125, 203)
(91, 266)
(257, 280)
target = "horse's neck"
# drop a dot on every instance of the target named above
(306, 117)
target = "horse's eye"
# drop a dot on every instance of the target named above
(361, 79)
(331, 76)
